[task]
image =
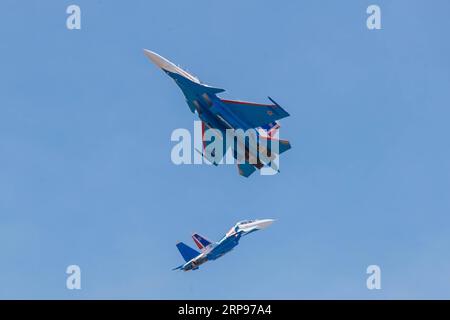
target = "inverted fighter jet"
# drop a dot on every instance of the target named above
(220, 115)
(213, 250)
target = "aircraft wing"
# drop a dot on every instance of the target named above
(256, 114)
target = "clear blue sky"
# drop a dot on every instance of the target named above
(85, 170)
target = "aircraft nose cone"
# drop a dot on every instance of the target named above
(156, 59)
(168, 66)
(265, 223)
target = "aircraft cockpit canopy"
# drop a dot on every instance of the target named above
(245, 222)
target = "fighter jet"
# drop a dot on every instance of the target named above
(219, 115)
(212, 251)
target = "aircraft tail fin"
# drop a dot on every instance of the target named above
(200, 241)
(187, 252)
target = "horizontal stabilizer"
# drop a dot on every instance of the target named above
(187, 252)
(283, 145)
(246, 169)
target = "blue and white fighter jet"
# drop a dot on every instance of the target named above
(218, 114)
(212, 251)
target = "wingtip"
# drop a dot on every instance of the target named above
(273, 101)
(286, 114)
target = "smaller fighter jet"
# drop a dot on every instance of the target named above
(212, 251)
